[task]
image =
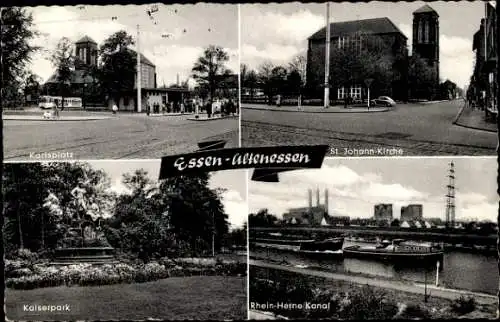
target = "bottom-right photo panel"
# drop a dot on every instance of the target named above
(376, 239)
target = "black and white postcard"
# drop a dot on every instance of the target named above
(115, 82)
(393, 79)
(106, 240)
(362, 238)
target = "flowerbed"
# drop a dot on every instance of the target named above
(21, 275)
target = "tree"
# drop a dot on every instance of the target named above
(265, 79)
(210, 70)
(297, 69)
(367, 57)
(16, 50)
(32, 87)
(262, 219)
(278, 80)
(118, 65)
(421, 78)
(63, 59)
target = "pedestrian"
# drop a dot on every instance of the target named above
(56, 108)
(209, 108)
(299, 102)
(114, 108)
(148, 109)
(278, 100)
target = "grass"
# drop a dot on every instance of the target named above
(175, 298)
(437, 307)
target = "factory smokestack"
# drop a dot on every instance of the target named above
(310, 199)
(317, 197)
(326, 200)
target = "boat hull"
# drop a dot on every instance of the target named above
(374, 254)
(297, 251)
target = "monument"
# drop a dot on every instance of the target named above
(83, 240)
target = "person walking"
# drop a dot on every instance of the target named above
(209, 109)
(114, 108)
(56, 109)
(278, 100)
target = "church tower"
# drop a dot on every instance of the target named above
(86, 53)
(426, 37)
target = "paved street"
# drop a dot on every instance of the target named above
(416, 129)
(131, 136)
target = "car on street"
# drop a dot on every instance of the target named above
(383, 101)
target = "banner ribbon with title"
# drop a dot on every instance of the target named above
(278, 158)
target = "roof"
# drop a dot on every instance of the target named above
(144, 60)
(370, 26)
(425, 9)
(85, 39)
(77, 77)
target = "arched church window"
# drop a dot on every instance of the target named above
(419, 31)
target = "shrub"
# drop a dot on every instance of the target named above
(367, 303)
(415, 311)
(464, 305)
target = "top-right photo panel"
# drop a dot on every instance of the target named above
(371, 79)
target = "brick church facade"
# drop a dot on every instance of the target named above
(393, 53)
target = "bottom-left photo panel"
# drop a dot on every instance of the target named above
(108, 240)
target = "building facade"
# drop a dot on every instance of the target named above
(483, 86)
(379, 36)
(382, 212)
(311, 215)
(412, 212)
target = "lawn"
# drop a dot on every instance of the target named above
(175, 298)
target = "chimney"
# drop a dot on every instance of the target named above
(310, 199)
(326, 201)
(317, 197)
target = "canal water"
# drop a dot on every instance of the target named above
(461, 270)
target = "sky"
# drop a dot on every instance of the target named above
(356, 185)
(279, 32)
(205, 24)
(233, 181)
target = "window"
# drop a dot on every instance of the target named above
(355, 92)
(426, 31)
(342, 42)
(85, 55)
(419, 31)
(341, 93)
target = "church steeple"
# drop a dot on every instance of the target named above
(86, 53)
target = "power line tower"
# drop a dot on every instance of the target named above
(450, 197)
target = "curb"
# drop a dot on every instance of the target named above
(171, 114)
(56, 120)
(455, 122)
(351, 111)
(457, 291)
(213, 118)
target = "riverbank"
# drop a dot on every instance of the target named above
(410, 301)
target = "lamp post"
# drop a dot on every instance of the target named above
(327, 58)
(83, 96)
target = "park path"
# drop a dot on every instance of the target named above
(393, 285)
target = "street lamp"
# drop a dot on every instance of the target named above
(83, 96)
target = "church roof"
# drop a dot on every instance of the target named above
(77, 77)
(85, 39)
(370, 26)
(425, 9)
(144, 60)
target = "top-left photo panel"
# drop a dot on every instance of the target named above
(118, 82)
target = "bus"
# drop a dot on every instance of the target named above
(48, 102)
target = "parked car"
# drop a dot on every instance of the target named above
(383, 101)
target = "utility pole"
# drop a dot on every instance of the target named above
(327, 58)
(213, 234)
(139, 77)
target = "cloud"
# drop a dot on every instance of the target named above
(285, 35)
(170, 58)
(455, 55)
(354, 193)
(236, 208)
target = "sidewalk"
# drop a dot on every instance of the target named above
(62, 118)
(204, 117)
(474, 119)
(169, 114)
(314, 109)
